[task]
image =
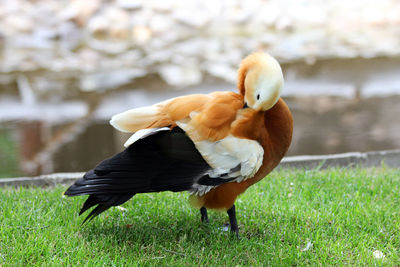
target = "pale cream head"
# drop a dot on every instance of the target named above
(260, 81)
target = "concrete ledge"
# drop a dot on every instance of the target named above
(390, 158)
(43, 180)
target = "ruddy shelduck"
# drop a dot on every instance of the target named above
(213, 145)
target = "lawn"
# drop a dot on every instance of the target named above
(292, 217)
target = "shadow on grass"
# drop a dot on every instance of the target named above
(164, 230)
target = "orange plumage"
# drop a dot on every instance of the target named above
(273, 130)
(231, 140)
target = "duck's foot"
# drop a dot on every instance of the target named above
(232, 220)
(204, 215)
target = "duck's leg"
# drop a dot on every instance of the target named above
(204, 215)
(233, 221)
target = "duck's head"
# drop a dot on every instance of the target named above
(260, 81)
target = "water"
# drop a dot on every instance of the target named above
(327, 125)
(339, 105)
(322, 125)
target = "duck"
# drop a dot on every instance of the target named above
(214, 145)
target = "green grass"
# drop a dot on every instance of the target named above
(343, 214)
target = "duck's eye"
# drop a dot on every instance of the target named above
(258, 96)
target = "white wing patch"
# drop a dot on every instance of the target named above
(230, 152)
(142, 134)
(231, 157)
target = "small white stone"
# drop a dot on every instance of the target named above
(378, 254)
(308, 246)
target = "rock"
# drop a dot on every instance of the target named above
(141, 34)
(129, 57)
(160, 23)
(90, 60)
(15, 23)
(108, 46)
(98, 25)
(108, 79)
(162, 6)
(179, 75)
(118, 22)
(182, 40)
(223, 71)
(284, 24)
(28, 41)
(79, 11)
(70, 36)
(130, 4)
(194, 18)
(190, 47)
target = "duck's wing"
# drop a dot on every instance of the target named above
(165, 160)
(163, 114)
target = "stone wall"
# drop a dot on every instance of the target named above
(59, 47)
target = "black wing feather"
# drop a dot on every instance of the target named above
(164, 161)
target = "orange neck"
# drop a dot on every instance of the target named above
(275, 139)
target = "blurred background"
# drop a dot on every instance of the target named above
(67, 66)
